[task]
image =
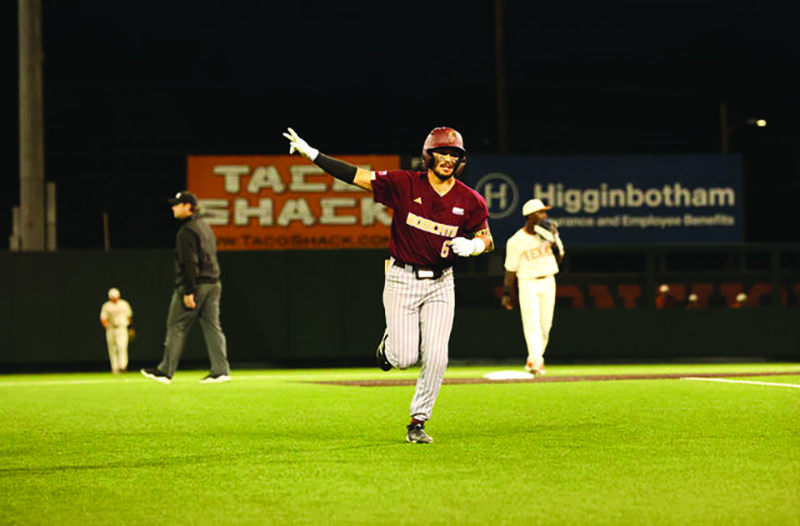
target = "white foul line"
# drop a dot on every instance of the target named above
(774, 384)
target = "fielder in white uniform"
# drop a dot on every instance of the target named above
(533, 256)
(116, 315)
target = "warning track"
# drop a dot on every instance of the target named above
(556, 379)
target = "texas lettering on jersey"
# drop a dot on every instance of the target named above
(545, 249)
(425, 222)
(530, 256)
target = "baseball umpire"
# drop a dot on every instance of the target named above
(436, 218)
(195, 296)
(533, 255)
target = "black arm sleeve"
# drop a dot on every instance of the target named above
(341, 170)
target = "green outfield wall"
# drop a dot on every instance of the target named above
(324, 308)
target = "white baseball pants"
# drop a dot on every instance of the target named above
(537, 300)
(419, 319)
(117, 340)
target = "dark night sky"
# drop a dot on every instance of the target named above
(132, 89)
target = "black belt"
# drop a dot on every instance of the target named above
(420, 271)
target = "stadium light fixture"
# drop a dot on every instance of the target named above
(727, 130)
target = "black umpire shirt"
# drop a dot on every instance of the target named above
(195, 255)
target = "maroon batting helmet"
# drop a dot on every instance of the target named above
(444, 138)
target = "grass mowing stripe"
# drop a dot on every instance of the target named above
(28, 383)
(725, 380)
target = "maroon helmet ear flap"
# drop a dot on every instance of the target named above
(444, 138)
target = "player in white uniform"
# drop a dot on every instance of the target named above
(533, 256)
(116, 315)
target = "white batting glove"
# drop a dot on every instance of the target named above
(296, 144)
(467, 247)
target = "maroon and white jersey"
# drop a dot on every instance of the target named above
(424, 222)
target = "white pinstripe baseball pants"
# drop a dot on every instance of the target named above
(419, 318)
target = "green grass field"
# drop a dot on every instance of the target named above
(272, 447)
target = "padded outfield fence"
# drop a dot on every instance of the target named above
(310, 308)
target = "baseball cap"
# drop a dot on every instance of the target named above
(534, 205)
(184, 196)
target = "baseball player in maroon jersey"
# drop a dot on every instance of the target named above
(436, 219)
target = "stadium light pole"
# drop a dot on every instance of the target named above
(727, 130)
(31, 216)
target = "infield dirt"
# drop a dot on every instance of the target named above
(555, 378)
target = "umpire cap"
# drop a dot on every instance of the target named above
(184, 196)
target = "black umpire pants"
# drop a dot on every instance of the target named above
(180, 321)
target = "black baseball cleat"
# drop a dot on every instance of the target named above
(215, 378)
(380, 354)
(417, 435)
(157, 375)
